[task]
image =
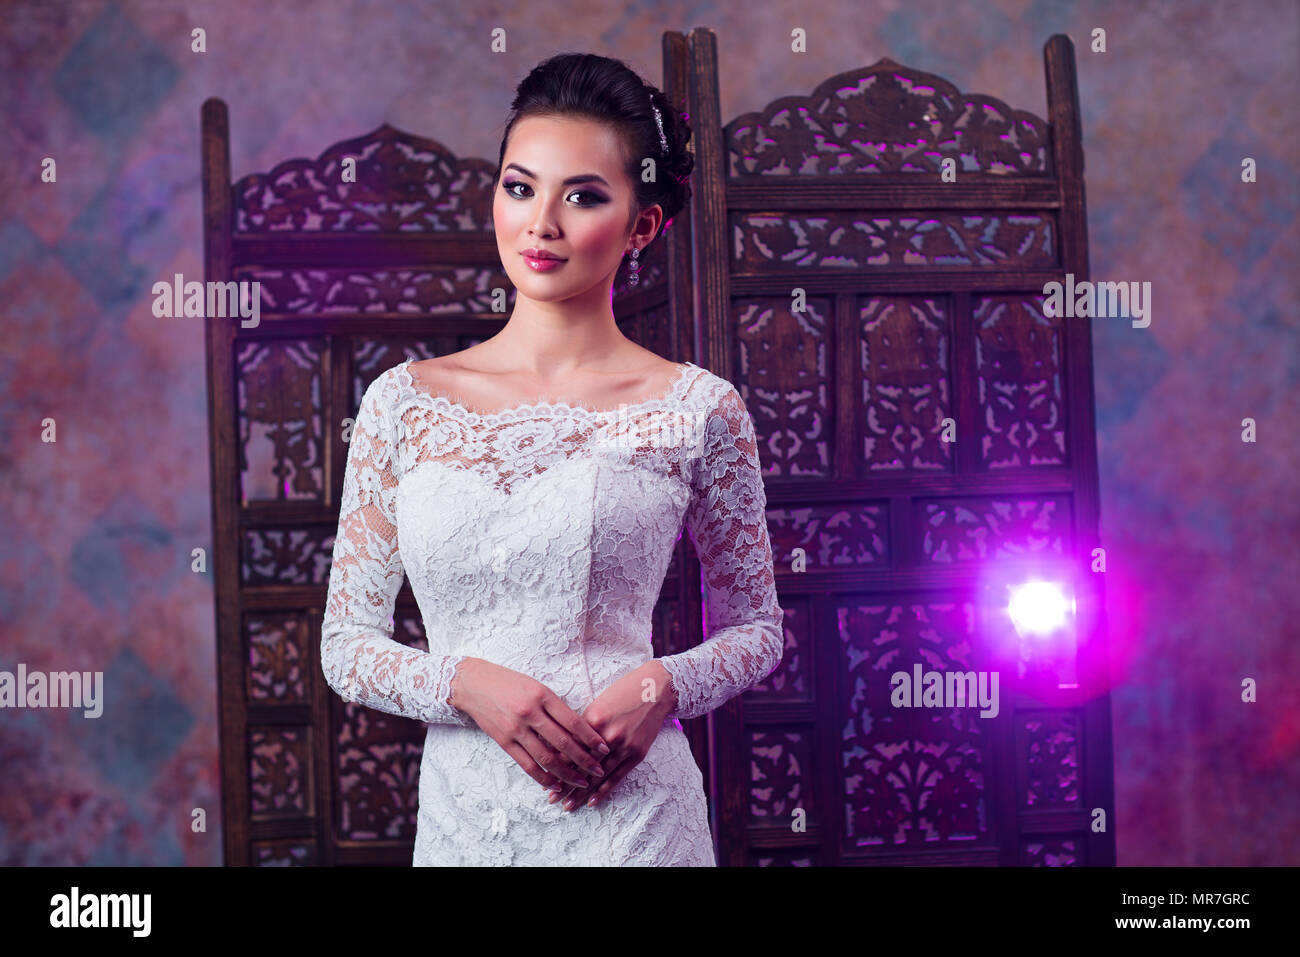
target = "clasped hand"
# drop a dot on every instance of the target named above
(628, 715)
(553, 743)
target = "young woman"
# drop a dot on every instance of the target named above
(537, 484)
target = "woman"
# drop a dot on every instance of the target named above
(537, 484)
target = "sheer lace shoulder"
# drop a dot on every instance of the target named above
(359, 657)
(727, 522)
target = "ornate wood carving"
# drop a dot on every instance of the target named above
(403, 183)
(886, 118)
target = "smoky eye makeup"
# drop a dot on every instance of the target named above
(597, 199)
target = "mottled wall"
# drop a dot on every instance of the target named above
(97, 528)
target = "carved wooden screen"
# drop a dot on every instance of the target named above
(924, 302)
(356, 276)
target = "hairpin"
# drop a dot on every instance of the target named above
(659, 121)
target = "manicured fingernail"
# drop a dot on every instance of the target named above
(554, 797)
(592, 802)
(603, 748)
(570, 804)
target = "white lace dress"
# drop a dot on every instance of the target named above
(538, 538)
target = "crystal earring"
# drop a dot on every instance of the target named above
(635, 267)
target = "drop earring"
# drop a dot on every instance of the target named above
(635, 267)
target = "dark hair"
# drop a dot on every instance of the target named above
(609, 91)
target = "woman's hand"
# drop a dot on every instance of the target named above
(628, 715)
(552, 742)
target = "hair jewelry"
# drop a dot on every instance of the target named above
(659, 122)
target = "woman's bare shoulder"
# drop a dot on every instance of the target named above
(440, 372)
(641, 361)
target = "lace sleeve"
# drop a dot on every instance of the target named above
(360, 659)
(727, 523)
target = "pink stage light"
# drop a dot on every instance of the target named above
(1039, 608)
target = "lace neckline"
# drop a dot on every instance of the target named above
(527, 409)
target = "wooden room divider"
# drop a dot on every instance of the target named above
(864, 307)
(928, 438)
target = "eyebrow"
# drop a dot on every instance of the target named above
(584, 178)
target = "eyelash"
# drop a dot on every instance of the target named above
(510, 184)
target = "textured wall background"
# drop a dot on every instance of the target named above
(1201, 528)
